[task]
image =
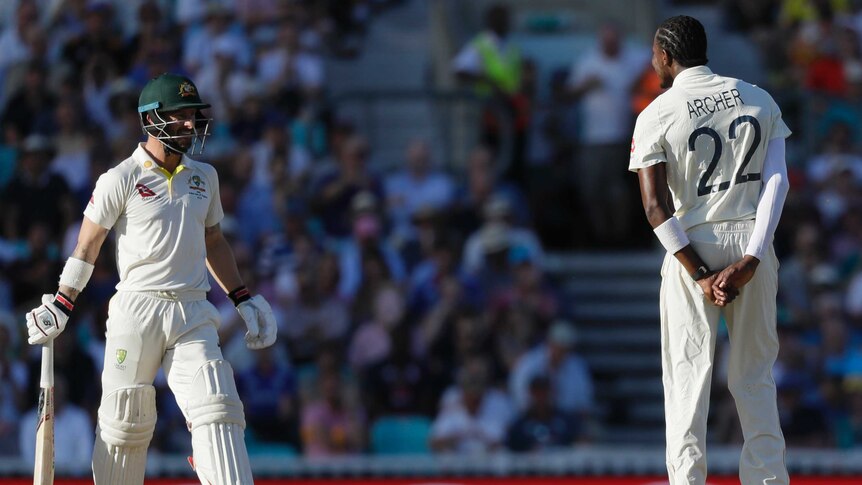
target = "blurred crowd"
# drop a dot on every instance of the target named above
(411, 302)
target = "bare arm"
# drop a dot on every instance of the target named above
(220, 260)
(90, 239)
(655, 196)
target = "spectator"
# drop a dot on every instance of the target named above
(398, 385)
(492, 64)
(499, 218)
(417, 186)
(223, 81)
(366, 240)
(334, 192)
(473, 416)
(30, 108)
(570, 377)
(288, 72)
(269, 393)
(431, 276)
(333, 424)
(72, 145)
(521, 311)
(276, 144)
(99, 38)
(315, 315)
(199, 48)
(372, 341)
(602, 81)
(29, 274)
(480, 187)
(13, 45)
(542, 426)
(550, 150)
(35, 195)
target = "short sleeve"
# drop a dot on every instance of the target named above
(215, 213)
(647, 142)
(108, 200)
(779, 127)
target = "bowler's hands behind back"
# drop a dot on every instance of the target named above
(260, 322)
(715, 295)
(737, 274)
(45, 322)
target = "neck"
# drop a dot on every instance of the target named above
(165, 158)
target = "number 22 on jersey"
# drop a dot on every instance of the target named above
(704, 186)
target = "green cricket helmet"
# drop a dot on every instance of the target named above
(168, 93)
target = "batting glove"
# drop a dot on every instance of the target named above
(46, 321)
(259, 320)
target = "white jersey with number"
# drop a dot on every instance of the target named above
(159, 219)
(712, 133)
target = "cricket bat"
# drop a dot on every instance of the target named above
(43, 471)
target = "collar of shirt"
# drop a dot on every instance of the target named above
(146, 161)
(690, 73)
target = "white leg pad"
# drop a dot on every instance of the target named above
(127, 419)
(217, 424)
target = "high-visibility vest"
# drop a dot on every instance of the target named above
(504, 68)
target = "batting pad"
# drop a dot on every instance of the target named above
(127, 419)
(217, 424)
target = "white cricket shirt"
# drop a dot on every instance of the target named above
(159, 220)
(712, 132)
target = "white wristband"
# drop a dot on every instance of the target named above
(76, 274)
(671, 235)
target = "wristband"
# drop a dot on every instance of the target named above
(671, 235)
(239, 295)
(63, 303)
(76, 274)
(700, 272)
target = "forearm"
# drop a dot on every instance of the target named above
(90, 240)
(654, 196)
(222, 265)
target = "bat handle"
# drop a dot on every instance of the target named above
(47, 376)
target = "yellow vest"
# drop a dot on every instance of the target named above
(503, 67)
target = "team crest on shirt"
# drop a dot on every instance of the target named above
(197, 187)
(121, 357)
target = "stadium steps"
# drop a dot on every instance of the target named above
(614, 303)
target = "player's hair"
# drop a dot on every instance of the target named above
(684, 39)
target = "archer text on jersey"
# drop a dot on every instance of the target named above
(716, 102)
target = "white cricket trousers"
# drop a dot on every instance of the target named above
(148, 330)
(688, 334)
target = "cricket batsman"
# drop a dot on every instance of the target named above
(165, 210)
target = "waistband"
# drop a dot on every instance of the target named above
(187, 295)
(722, 227)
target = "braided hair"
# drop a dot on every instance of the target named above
(684, 39)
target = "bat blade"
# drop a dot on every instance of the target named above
(43, 470)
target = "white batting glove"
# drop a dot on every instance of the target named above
(46, 321)
(260, 322)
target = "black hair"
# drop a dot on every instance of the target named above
(684, 39)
